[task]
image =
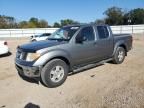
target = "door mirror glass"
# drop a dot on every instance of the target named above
(79, 39)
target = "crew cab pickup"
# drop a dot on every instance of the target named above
(69, 49)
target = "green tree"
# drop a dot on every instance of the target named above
(3, 23)
(68, 22)
(114, 16)
(136, 16)
(23, 24)
(11, 22)
(56, 25)
(100, 21)
(43, 24)
(7, 22)
(33, 22)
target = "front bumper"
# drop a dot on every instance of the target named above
(28, 71)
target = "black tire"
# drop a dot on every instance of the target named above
(46, 73)
(116, 58)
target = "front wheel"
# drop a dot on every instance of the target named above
(54, 73)
(119, 55)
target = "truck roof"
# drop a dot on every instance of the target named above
(85, 24)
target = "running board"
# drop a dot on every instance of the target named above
(90, 65)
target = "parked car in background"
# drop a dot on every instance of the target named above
(70, 49)
(40, 37)
(4, 47)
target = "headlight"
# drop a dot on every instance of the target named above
(32, 56)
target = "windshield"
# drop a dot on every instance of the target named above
(64, 33)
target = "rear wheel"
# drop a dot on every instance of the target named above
(119, 55)
(54, 73)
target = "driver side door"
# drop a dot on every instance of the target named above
(84, 52)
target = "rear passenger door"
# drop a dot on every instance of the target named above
(104, 42)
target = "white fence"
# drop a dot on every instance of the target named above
(132, 29)
(25, 32)
(28, 32)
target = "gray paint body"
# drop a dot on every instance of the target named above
(82, 53)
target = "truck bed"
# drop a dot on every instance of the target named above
(124, 37)
(121, 35)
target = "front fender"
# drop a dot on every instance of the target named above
(50, 55)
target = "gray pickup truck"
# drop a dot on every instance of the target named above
(69, 49)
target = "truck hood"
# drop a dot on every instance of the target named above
(34, 46)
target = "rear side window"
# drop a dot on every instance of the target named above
(88, 33)
(102, 32)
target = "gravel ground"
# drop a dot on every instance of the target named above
(105, 86)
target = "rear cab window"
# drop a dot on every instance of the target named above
(103, 32)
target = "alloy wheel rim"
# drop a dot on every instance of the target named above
(57, 74)
(120, 55)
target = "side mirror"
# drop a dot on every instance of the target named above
(79, 39)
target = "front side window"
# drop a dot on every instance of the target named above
(88, 34)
